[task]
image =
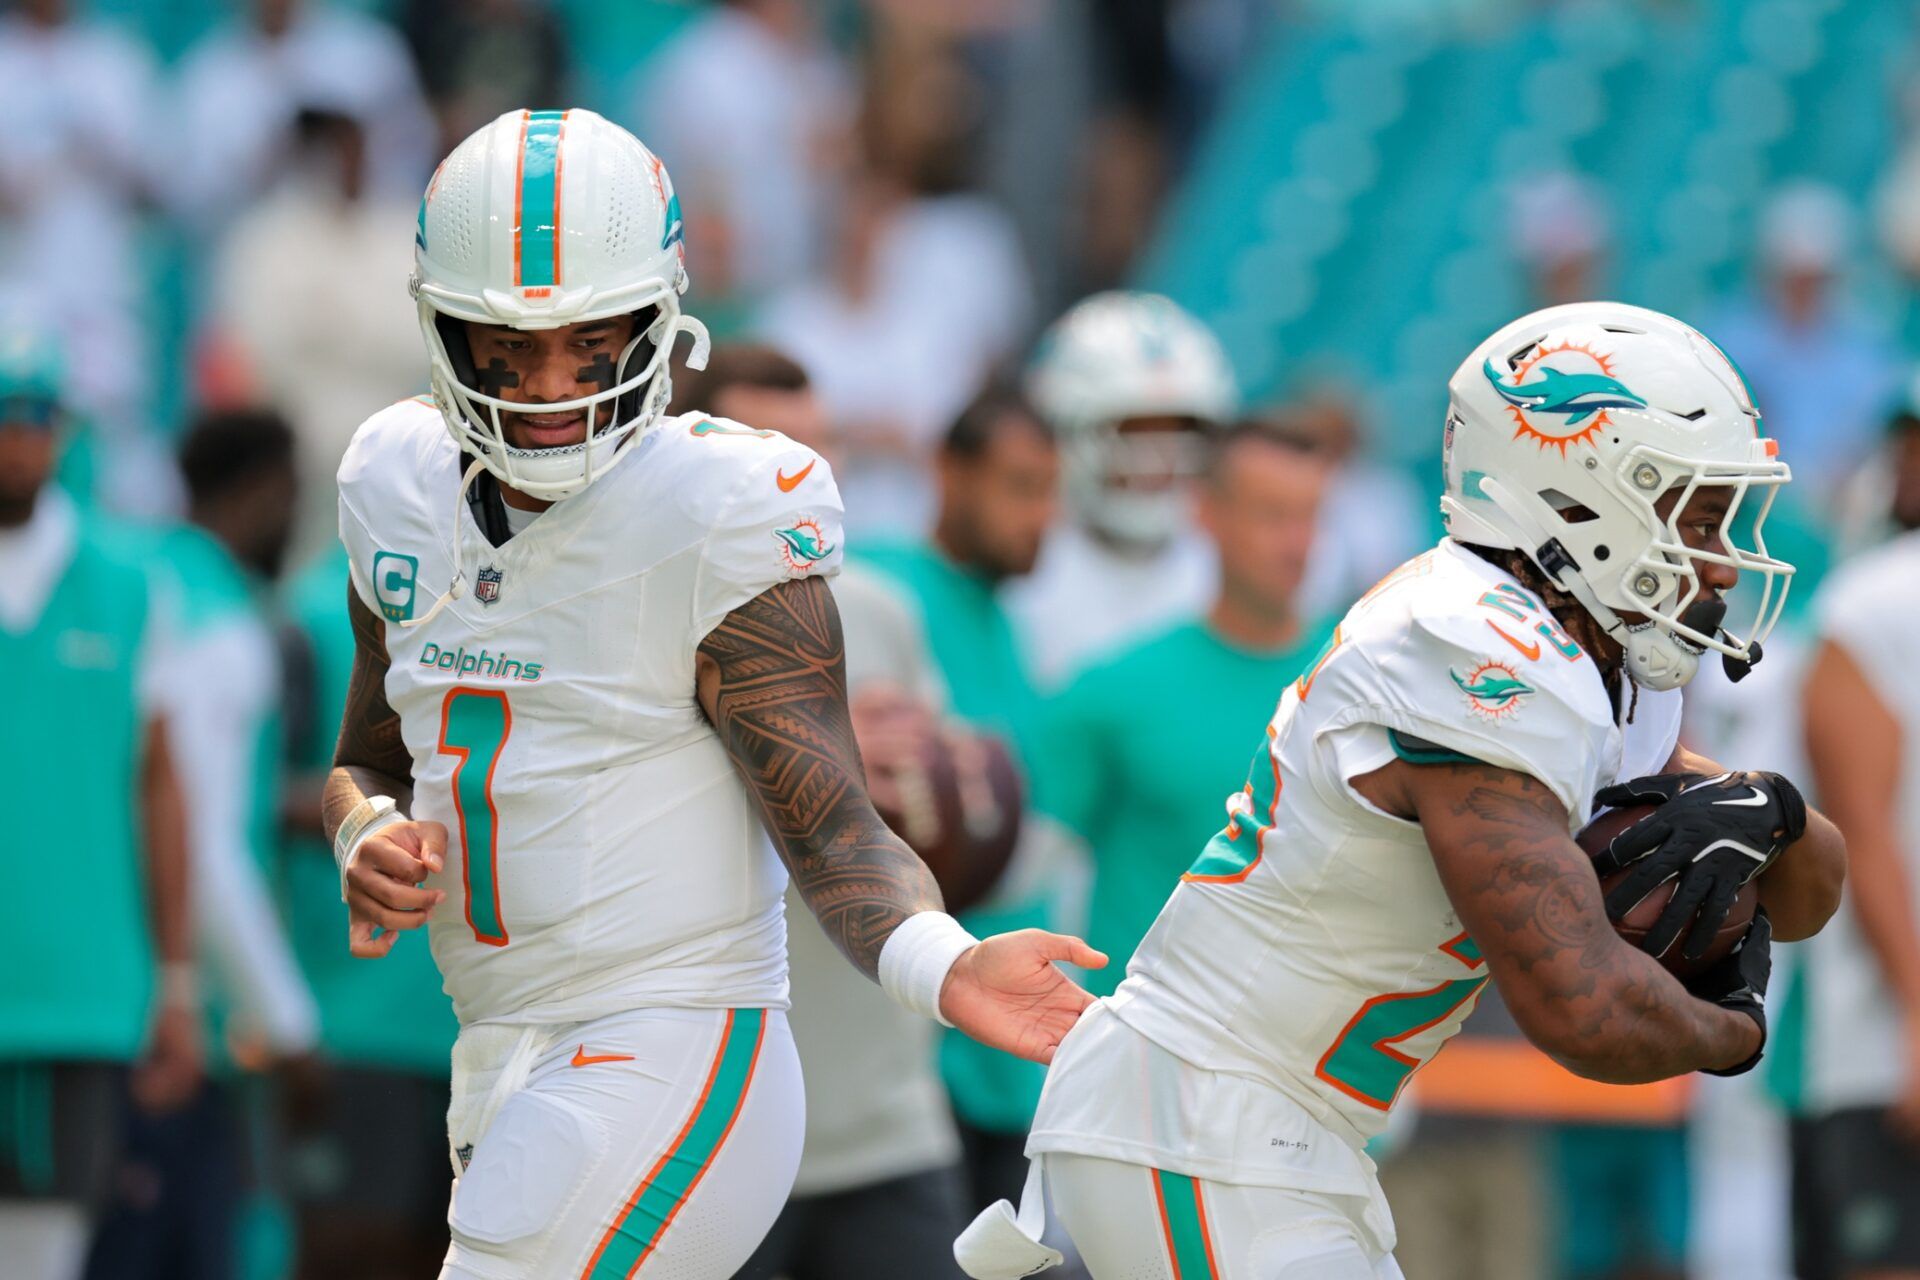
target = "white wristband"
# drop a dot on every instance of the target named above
(369, 816)
(915, 960)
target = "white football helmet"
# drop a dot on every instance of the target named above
(542, 219)
(1563, 431)
(1115, 357)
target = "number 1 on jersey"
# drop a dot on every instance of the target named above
(474, 724)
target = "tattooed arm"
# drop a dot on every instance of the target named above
(1529, 898)
(371, 759)
(771, 678)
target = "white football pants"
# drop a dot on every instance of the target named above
(657, 1144)
(1135, 1223)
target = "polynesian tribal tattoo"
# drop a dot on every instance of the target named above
(779, 702)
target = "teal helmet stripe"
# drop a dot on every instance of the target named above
(536, 258)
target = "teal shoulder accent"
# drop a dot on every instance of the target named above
(1419, 751)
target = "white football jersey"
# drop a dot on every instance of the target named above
(602, 853)
(1311, 947)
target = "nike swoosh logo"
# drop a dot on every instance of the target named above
(789, 483)
(581, 1058)
(1531, 650)
(1754, 797)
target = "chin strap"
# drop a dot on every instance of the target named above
(458, 587)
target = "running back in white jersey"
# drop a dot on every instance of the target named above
(603, 855)
(1312, 945)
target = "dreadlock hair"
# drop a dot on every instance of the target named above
(1572, 616)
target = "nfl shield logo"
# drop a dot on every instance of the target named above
(486, 586)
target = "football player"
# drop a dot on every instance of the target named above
(598, 664)
(1130, 384)
(1406, 831)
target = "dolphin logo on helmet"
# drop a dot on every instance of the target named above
(1595, 526)
(1574, 396)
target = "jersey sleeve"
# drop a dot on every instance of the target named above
(1852, 613)
(780, 521)
(1435, 691)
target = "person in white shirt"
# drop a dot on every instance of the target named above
(76, 165)
(598, 665)
(323, 236)
(751, 108)
(240, 87)
(1130, 384)
(1406, 832)
(1858, 1156)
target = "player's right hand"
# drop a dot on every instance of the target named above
(383, 884)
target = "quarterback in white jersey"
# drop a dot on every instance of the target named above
(598, 665)
(1406, 831)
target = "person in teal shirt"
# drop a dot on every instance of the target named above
(1144, 746)
(998, 473)
(98, 1001)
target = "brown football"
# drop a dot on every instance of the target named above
(1635, 925)
(960, 809)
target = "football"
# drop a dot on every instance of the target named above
(1638, 921)
(959, 809)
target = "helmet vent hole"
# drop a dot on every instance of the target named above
(1602, 552)
(1513, 361)
(1696, 415)
(1568, 509)
(1615, 328)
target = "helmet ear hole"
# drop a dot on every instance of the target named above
(453, 336)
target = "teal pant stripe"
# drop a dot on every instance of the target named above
(1185, 1224)
(637, 1230)
(539, 228)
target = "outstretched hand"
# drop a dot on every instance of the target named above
(1006, 993)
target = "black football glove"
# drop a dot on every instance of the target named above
(1711, 833)
(1739, 982)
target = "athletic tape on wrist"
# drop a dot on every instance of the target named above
(916, 958)
(369, 816)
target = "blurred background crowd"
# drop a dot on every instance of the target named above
(1086, 553)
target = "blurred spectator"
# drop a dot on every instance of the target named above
(1138, 765)
(923, 294)
(749, 108)
(351, 342)
(1130, 383)
(997, 475)
(1560, 233)
(362, 1146)
(1823, 371)
(879, 1190)
(242, 86)
(75, 169)
(1857, 1158)
(1373, 518)
(1883, 497)
(180, 1191)
(479, 59)
(99, 1008)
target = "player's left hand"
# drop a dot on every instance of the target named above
(170, 1071)
(1006, 993)
(1712, 834)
